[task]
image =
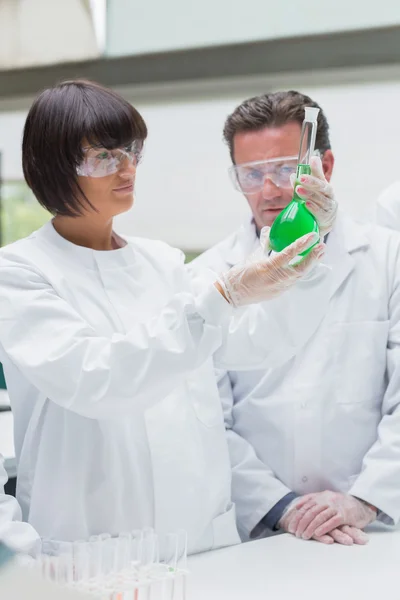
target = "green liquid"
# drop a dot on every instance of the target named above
(294, 221)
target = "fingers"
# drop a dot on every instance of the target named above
(335, 521)
(312, 189)
(358, 535)
(306, 499)
(345, 535)
(313, 181)
(316, 523)
(320, 198)
(317, 173)
(320, 201)
(316, 182)
(299, 513)
(306, 263)
(325, 539)
(307, 518)
(323, 210)
(304, 243)
(317, 170)
(341, 537)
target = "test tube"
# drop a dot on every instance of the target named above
(180, 580)
(308, 135)
(150, 552)
(65, 567)
(81, 560)
(95, 556)
(106, 552)
(136, 549)
(122, 553)
(46, 566)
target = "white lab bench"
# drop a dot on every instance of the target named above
(285, 568)
(7, 437)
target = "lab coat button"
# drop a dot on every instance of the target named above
(305, 479)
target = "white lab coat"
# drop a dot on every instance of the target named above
(108, 361)
(329, 418)
(16, 534)
(387, 210)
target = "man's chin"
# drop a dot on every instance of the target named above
(267, 218)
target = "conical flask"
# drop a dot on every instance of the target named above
(296, 220)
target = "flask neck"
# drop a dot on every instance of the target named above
(301, 170)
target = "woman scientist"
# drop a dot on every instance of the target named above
(108, 349)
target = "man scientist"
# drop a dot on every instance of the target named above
(315, 443)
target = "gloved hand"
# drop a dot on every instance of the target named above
(345, 534)
(319, 196)
(319, 513)
(262, 277)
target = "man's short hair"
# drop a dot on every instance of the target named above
(60, 120)
(274, 110)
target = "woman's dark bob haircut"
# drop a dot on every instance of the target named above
(60, 120)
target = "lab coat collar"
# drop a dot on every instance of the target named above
(349, 235)
(346, 238)
(86, 257)
(242, 243)
(307, 304)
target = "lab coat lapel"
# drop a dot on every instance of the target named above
(244, 242)
(347, 238)
(306, 305)
(302, 309)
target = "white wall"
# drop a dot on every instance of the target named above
(184, 194)
(40, 32)
(182, 24)
(183, 191)
(11, 127)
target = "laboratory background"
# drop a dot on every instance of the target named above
(185, 66)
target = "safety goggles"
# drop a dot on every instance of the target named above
(100, 162)
(249, 178)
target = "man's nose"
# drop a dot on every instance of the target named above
(270, 188)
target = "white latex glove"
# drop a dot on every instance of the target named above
(318, 194)
(318, 514)
(345, 535)
(262, 277)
